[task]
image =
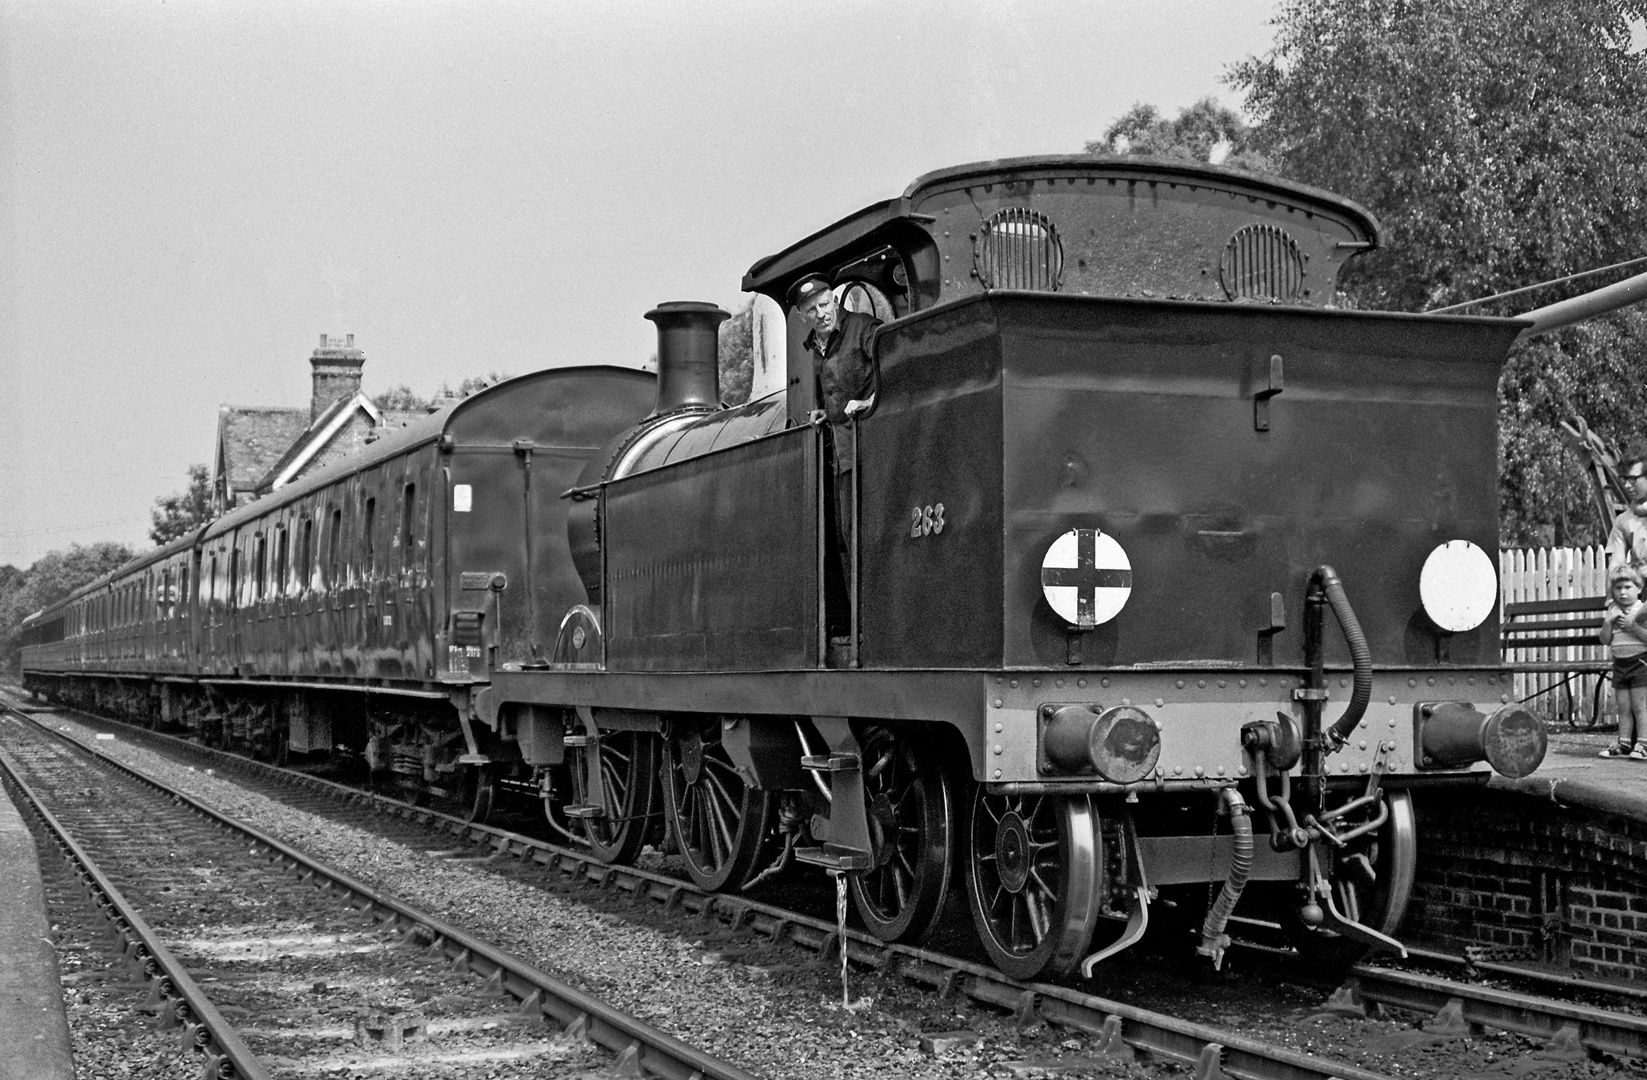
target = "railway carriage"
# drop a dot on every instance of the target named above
(358, 608)
(1168, 582)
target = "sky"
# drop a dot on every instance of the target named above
(193, 192)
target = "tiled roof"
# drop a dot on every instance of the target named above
(303, 439)
(253, 438)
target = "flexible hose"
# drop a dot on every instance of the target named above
(1360, 653)
(1213, 939)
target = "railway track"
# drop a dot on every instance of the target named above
(221, 920)
(1567, 1029)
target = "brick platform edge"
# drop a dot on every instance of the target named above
(34, 1033)
(1537, 870)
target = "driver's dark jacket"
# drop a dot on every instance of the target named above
(847, 370)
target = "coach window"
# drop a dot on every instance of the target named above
(370, 538)
(305, 557)
(234, 578)
(408, 519)
(183, 588)
(282, 554)
(334, 548)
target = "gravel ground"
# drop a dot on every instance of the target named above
(758, 1007)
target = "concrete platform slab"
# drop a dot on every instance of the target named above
(1574, 775)
(34, 1032)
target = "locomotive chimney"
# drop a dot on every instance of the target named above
(688, 355)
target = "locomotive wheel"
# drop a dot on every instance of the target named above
(477, 792)
(629, 775)
(911, 826)
(1033, 878)
(1381, 903)
(719, 823)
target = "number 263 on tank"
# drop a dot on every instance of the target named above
(926, 521)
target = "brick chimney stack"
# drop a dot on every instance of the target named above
(337, 366)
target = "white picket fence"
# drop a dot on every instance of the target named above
(1553, 574)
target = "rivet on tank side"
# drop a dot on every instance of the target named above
(1362, 744)
(1392, 719)
(1412, 682)
(1240, 770)
(1220, 770)
(1430, 681)
(1035, 682)
(1179, 684)
(1242, 683)
(1504, 699)
(997, 703)
(999, 728)
(997, 749)
(1013, 684)
(1263, 681)
(999, 679)
(1223, 683)
(1343, 766)
(1343, 682)
(1392, 702)
(1081, 683)
(997, 774)
(1452, 680)
(1362, 724)
(1470, 681)
(1364, 767)
(1199, 771)
(1126, 701)
(1058, 683)
(1178, 770)
(1201, 683)
(1160, 703)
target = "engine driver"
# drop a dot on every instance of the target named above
(846, 378)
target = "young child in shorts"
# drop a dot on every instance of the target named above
(1626, 639)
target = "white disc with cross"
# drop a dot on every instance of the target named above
(1086, 577)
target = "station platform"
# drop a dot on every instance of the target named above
(1573, 774)
(34, 1031)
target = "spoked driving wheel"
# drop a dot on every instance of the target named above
(910, 827)
(1033, 879)
(629, 787)
(1372, 882)
(477, 793)
(720, 824)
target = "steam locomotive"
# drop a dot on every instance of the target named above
(1125, 458)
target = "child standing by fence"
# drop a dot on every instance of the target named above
(1626, 640)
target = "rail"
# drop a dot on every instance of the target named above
(643, 1049)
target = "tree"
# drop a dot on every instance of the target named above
(181, 513)
(1206, 131)
(1501, 143)
(736, 355)
(400, 398)
(474, 384)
